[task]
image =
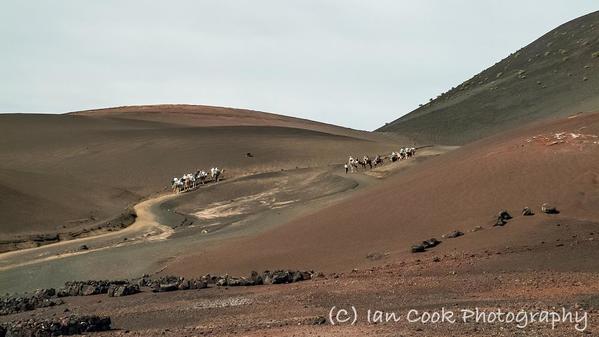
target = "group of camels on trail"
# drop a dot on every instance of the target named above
(190, 181)
(402, 154)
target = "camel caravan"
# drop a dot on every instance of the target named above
(190, 181)
(353, 163)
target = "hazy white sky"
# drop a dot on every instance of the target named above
(353, 63)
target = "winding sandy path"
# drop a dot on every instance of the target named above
(146, 228)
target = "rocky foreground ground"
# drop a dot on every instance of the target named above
(487, 280)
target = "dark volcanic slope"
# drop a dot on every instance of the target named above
(71, 172)
(555, 75)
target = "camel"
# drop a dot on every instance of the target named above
(215, 173)
(377, 160)
(368, 161)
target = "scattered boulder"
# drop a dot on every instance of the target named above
(527, 211)
(430, 243)
(83, 247)
(173, 283)
(277, 277)
(503, 214)
(502, 217)
(87, 288)
(500, 222)
(239, 282)
(166, 283)
(418, 248)
(285, 276)
(116, 290)
(197, 284)
(41, 298)
(453, 234)
(50, 297)
(256, 278)
(70, 325)
(477, 228)
(44, 293)
(549, 209)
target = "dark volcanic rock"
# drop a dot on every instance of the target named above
(166, 283)
(281, 276)
(430, 243)
(197, 284)
(238, 282)
(18, 303)
(256, 278)
(285, 276)
(500, 222)
(116, 290)
(549, 209)
(418, 248)
(503, 214)
(87, 288)
(453, 234)
(267, 277)
(71, 325)
(502, 218)
(527, 211)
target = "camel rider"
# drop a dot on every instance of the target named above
(216, 174)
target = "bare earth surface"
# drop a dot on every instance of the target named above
(463, 280)
(70, 176)
(358, 230)
(192, 222)
(552, 77)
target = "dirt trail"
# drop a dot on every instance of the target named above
(158, 239)
(146, 228)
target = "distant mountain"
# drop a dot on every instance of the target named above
(556, 75)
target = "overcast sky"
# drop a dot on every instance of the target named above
(352, 63)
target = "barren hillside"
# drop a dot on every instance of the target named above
(554, 76)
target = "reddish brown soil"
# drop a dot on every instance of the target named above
(460, 280)
(66, 173)
(210, 116)
(461, 190)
